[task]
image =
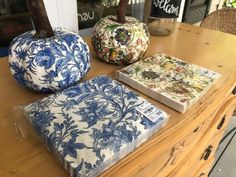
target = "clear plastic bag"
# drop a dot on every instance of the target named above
(91, 126)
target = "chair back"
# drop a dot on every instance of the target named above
(223, 20)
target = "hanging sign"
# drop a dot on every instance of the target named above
(165, 8)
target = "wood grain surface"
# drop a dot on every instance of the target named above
(27, 157)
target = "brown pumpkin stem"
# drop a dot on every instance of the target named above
(40, 18)
(121, 11)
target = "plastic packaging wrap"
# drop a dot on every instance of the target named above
(91, 126)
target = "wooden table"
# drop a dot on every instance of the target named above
(179, 149)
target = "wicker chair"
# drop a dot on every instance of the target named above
(223, 20)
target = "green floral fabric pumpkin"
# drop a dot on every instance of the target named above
(118, 43)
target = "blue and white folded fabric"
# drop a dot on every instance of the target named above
(91, 126)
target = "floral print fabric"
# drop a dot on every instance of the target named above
(120, 43)
(51, 64)
(92, 125)
(169, 80)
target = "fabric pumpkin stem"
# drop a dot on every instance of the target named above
(121, 11)
(40, 18)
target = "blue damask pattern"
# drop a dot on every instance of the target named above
(92, 125)
(49, 65)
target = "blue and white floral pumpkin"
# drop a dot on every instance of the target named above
(120, 43)
(51, 64)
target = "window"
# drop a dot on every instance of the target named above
(14, 20)
(90, 11)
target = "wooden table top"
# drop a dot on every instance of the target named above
(29, 158)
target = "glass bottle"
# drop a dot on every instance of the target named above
(162, 16)
(161, 26)
(137, 9)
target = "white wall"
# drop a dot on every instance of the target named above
(181, 11)
(52, 10)
(214, 4)
(62, 13)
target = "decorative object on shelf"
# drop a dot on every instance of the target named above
(92, 125)
(171, 81)
(118, 39)
(47, 60)
(162, 16)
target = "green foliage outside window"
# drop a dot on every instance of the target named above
(230, 3)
